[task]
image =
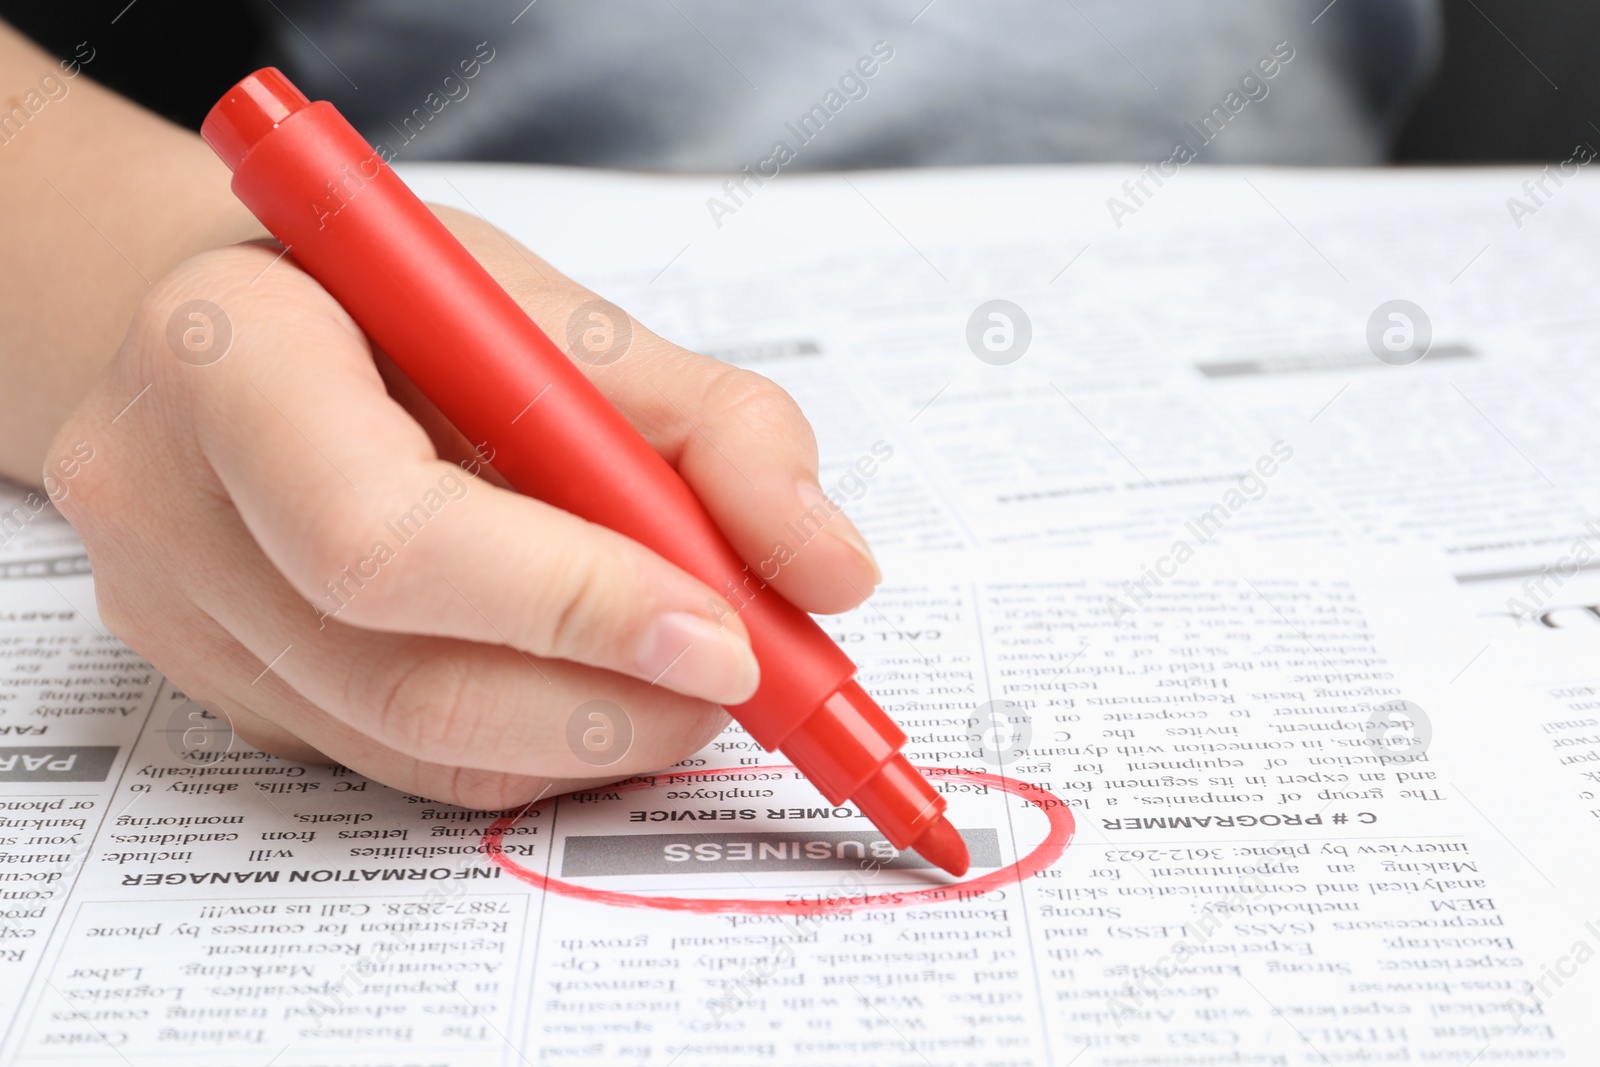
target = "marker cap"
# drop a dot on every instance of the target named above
(248, 112)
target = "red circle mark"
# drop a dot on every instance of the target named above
(1062, 828)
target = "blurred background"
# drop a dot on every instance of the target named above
(1514, 81)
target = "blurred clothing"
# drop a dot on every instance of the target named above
(714, 85)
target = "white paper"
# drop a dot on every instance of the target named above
(1085, 542)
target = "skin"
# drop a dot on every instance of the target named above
(221, 497)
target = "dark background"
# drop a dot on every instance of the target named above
(1489, 101)
(1520, 79)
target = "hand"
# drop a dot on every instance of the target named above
(253, 524)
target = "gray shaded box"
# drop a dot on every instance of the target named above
(823, 850)
(1328, 361)
(58, 567)
(56, 763)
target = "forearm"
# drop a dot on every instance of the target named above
(98, 199)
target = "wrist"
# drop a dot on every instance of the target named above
(132, 229)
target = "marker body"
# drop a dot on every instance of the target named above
(422, 298)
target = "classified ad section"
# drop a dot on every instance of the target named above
(1249, 816)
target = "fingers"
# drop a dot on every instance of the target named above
(475, 724)
(462, 704)
(736, 437)
(389, 701)
(343, 491)
(262, 733)
(751, 457)
(257, 709)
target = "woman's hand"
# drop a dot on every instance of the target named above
(289, 531)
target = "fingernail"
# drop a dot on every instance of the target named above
(839, 525)
(846, 531)
(694, 655)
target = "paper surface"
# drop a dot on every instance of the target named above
(1202, 610)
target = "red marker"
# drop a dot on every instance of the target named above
(353, 225)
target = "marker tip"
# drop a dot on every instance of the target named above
(941, 845)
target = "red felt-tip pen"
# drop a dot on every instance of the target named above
(473, 351)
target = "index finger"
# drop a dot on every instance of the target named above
(738, 439)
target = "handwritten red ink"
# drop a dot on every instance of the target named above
(1059, 836)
